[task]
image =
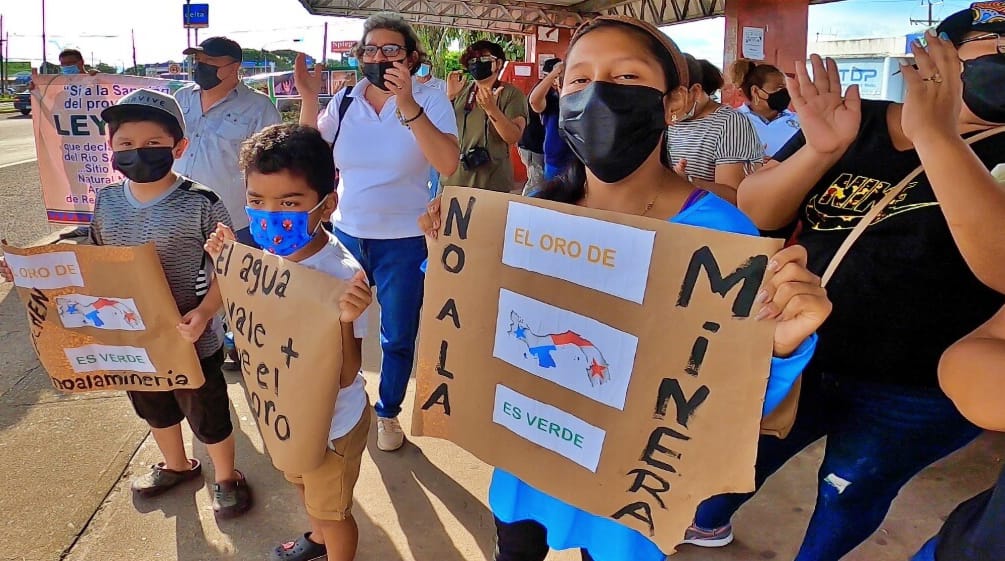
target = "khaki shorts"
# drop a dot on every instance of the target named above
(328, 489)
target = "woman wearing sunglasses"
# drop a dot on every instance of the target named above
(386, 132)
(491, 115)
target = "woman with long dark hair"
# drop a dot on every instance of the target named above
(625, 81)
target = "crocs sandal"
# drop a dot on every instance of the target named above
(161, 479)
(303, 549)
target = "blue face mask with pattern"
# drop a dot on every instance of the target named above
(282, 232)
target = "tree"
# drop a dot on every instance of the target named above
(105, 68)
(437, 41)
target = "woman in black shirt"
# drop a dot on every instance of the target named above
(914, 283)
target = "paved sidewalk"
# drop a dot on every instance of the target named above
(67, 461)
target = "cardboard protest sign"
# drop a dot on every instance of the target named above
(611, 361)
(103, 318)
(285, 319)
(74, 159)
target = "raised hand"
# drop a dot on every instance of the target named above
(934, 90)
(308, 82)
(829, 121)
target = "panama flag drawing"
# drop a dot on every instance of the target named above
(543, 346)
(79, 310)
(571, 350)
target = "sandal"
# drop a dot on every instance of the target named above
(303, 549)
(161, 479)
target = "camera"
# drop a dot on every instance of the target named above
(475, 158)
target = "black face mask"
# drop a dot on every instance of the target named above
(612, 128)
(144, 165)
(374, 72)
(982, 87)
(205, 75)
(480, 70)
(780, 100)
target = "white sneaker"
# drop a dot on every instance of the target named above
(390, 437)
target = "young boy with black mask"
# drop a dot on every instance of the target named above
(290, 174)
(146, 131)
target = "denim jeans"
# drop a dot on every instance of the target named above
(393, 268)
(878, 438)
(524, 541)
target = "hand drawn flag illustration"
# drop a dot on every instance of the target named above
(79, 310)
(542, 347)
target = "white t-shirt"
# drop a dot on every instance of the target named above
(336, 260)
(383, 186)
(773, 134)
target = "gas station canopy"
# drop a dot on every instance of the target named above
(522, 17)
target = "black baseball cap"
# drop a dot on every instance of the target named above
(988, 17)
(218, 46)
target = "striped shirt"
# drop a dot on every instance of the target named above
(178, 222)
(724, 136)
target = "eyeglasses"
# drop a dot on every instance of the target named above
(390, 51)
(987, 37)
(486, 58)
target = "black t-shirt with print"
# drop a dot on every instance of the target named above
(975, 531)
(903, 294)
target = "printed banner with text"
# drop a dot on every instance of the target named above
(103, 318)
(285, 319)
(74, 159)
(611, 361)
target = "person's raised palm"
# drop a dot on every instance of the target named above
(829, 121)
(308, 82)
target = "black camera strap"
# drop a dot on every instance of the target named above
(469, 106)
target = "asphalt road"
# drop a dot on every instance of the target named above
(22, 214)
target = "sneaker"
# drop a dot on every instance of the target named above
(719, 537)
(231, 498)
(390, 437)
(161, 479)
(303, 549)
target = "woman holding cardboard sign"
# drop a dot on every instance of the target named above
(627, 79)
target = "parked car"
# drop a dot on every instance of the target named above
(22, 103)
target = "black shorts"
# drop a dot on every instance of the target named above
(207, 408)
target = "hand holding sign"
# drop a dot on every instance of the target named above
(214, 245)
(795, 298)
(356, 298)
(429, 222)
(5, 272)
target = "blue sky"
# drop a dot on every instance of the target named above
(101, 28)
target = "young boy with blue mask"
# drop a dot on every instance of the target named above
(147, 134)
(291, 190)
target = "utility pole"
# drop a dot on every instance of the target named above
(3, 73)
(929, 22)
(324, 48)
(136, 68)
(42, 70)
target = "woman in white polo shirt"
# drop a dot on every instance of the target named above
(385, 137)
(767, 103)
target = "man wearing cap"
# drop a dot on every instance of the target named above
(221, 113)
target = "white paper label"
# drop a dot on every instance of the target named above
(578, 353)
(45, 270)
(93, 358)
(549, 427)
(604, 256)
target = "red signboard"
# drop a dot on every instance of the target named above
(343, 46)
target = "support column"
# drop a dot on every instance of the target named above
(785, 27)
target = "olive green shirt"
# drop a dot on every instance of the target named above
(498, 174)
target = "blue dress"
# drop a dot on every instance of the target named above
(512, 500)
